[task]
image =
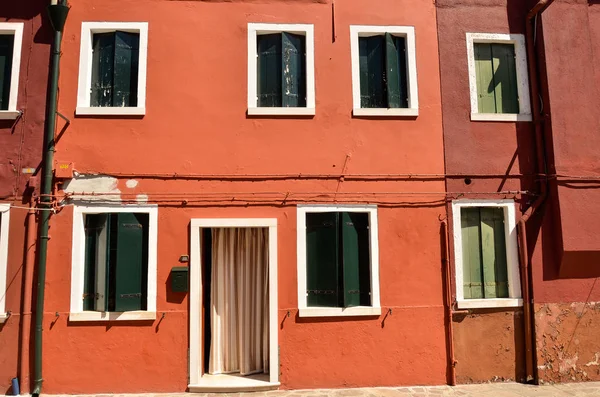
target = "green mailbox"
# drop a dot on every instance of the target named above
(179, 279)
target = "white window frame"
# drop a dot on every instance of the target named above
(303, 309)
(4, 227)
(512, 257)
(88, 29)
(78, 263)
(518, 40)
(16, 29)
(256, 29)
(408, 32)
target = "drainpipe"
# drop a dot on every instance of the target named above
(538, 120)
(57, 11)
(448, 299)
(27, 295)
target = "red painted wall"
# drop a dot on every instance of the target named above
(196, 123)
(488, 343)
(21, 147)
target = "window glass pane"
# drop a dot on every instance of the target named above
(6, 59)
(94, 288)
(373, 91)
(269, 62)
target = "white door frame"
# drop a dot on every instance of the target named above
(196, 345)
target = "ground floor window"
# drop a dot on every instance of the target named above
(337, 259)
(486, 253)
(114, 262)
(4, 222)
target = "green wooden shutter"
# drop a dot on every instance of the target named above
(493, 253)
(505, 78)
(89, 275)
(103, 63)
(126, 58)
(372, 72)
(395, 55)
(269, 70)
(356, 259)
(486, 91)
(322, 259)
(293, 70)
(131, 262)
(6, 59)
(471, 250)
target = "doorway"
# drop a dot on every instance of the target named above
(233, 305)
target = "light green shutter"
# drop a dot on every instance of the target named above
(6, 60)
(126, 58)
(269, 70)
(471, 250)
(372, 72)
(493, 250)
(322, 246)
(486, 94)
(505, 78)
(396, 71)
(356, 259)
(131, 262)
(293, 70)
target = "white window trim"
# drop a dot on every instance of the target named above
(408, 32)
(78, 264)
(512, 257)
(303, 308)
(4, 227)
(85, 68)
(198, 382)
(16, 29)
(518, 40)
(255, 29)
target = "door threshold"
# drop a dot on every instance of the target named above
(227, 383)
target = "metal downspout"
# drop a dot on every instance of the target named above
(58, 15)
(538, 120)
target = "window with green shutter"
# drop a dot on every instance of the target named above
(7, 42)
(383, 77)
(281, 70)
(496, 74)
(485, 273)
(115, 67)
(338, 259)
(116, 262)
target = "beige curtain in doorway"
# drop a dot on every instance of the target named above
(239, 301)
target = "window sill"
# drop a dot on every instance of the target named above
(281, 111)
(110, 111)
(9, 114)
(489, 303)
(138, 315)
(339, 311)
(4, 317)
(392, 112)
(500, 117)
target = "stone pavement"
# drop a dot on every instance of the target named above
(481, 390)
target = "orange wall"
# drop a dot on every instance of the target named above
(196, 123)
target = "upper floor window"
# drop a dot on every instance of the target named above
(384, 77)
(11, 38)
(498, 78)
(281, 69)
(485, 246)
(4, 222)
(112, 71)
